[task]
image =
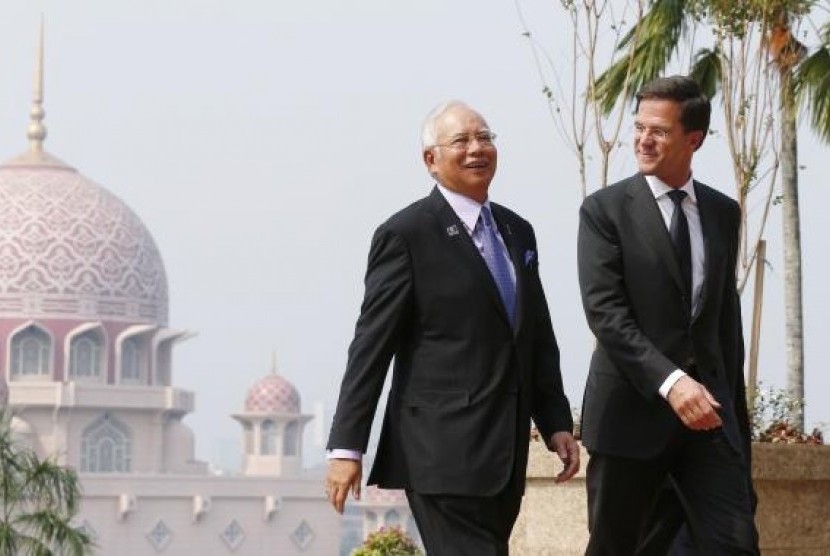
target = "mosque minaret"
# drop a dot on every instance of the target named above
(86, 368)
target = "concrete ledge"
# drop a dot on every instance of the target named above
(793, 486)
(792, 482)
(554, 517)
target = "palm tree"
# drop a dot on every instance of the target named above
(787, 71)
(38, 500)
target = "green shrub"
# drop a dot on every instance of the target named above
(388, 541)
(770, 419)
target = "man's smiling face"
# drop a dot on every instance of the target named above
(464, 157)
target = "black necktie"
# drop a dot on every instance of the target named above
(679, 231)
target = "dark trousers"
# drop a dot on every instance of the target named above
(632, 510)
(466, 525)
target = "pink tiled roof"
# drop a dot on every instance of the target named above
(273, 394)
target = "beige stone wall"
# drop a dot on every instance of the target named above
(793, 486)
(793, 517)
(554, 517)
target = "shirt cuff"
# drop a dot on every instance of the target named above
(676, 375)
(339, 453)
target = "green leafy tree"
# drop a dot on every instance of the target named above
(388, 541)
(38, 500)
(789, 76)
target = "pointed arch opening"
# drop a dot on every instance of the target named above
(87, 354)
(291, 439)
(268, 439)
(106, 447)
(30, 354)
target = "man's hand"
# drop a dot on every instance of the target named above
(695, 406)
(567, 448)
(343, 475)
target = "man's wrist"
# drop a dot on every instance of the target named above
(666, 387)
(341, 453)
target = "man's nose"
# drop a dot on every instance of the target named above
(646, 137)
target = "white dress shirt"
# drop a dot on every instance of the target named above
(468, 211)
(689, 205)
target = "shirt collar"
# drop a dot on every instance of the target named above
(659, 188)
(467, 209)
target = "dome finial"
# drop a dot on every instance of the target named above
(273, 362)
(37, 131)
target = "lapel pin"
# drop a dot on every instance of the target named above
(452, 230)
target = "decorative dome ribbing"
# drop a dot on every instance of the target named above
(71, 249)
(273, 394)
(68, 247)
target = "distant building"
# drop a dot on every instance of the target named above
(85, 366)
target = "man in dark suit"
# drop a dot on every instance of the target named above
(456, 299)
(664, 400)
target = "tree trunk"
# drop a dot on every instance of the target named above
(792, 247)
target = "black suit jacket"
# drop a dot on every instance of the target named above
(633, 297)
(465, 383)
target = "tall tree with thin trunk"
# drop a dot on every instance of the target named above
(800, 80)
(590, 133)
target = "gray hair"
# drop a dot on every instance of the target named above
(428, 134)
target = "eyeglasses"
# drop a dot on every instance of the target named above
(463, 142)
(658, 133)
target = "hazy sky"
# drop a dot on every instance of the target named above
(261, 143)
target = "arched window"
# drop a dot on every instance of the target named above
(290, 438)
(249, 437)
(393, 519)
(268, 444)
(31, 353)
(85, 355)
(106, 447)
(132, 371)
(371, 521)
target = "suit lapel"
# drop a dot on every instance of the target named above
(647, 218)
(462, 244)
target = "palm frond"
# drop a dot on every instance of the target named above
(55, 529)
(707, 71)
(38, 501)
(812, 82)
(654, 41)
(824, 34)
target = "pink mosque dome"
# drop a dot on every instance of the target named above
(272, 394)
(70, 249)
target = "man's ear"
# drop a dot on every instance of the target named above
(429, 157)
(699, 136)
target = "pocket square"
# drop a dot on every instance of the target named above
(530, 257)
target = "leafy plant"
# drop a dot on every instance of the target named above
(770, 418)
(388, 541)
(38, 501)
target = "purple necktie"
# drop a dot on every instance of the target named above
(496, 260)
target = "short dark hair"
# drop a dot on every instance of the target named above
(695, 109)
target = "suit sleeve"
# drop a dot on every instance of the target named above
(731, 334)
(550, 408)
(386, 301)
(607, 308)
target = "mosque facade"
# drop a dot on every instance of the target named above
(86, 370)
